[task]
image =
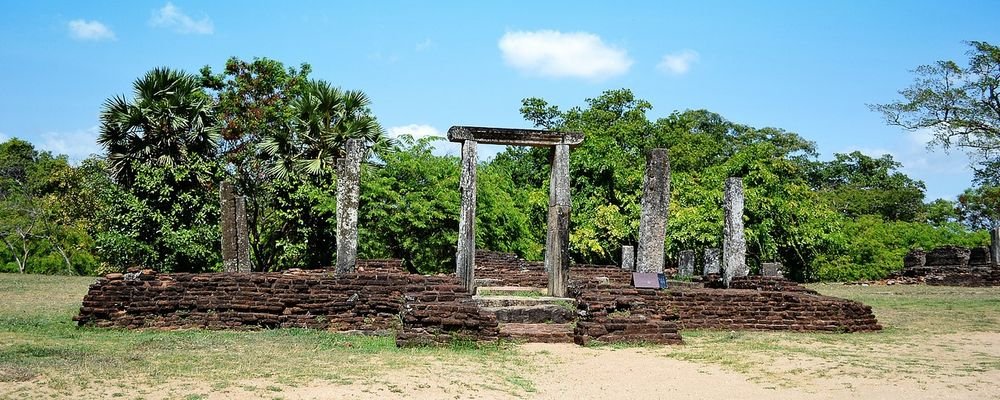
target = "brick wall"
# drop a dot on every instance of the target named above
(422, 309)
(951, 266)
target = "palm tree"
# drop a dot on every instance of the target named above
(168, 121)
(325, 117)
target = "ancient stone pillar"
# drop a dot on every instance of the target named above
(734, 246)
(557, 237)
(348, 194)
(465, 258)
(628, 258)
(230, 243)
(995, 246)
(685, 263)
(655, 208)
(712, 261)
(242, 236)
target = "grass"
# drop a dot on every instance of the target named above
(929, 333)
(39, 341)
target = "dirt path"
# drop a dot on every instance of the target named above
(957, 366)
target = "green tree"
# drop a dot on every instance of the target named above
(160, 149)
(959, 104)
(168, 122)
(855, 184)
(979, 208)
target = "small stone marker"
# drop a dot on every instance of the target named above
(771, 269)
(647, 280)
(628, 258)
(348, 194)
(713, 261)
(655, 210)
(734, 245)
(685, 263)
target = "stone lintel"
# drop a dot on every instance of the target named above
(513, 137)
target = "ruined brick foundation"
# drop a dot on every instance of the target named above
(420, 309)
(949, 266)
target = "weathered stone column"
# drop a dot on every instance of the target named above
(230, 244)
(235, 239)
(734, 245)
(995, 246)
(655, 209)
(242, 236)
(557, 237)
(628, 258)
(685, 263)
(465, 258)
(712, 261)
(348, 194)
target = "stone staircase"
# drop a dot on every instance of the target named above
(527, 314)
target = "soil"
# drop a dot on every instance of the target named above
(567, 371)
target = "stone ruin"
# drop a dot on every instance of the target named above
(491, 296)
(951, 266)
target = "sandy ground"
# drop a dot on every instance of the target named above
(965, 366)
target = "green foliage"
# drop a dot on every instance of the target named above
(979, 208)
(168, 219)
(957, 104)
(855, 184)
(870, 248)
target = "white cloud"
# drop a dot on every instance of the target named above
(81, 29)
(416, 130)
(173, 18)
(556, 54)
(78, 144)
(4, 137)
(678, 63)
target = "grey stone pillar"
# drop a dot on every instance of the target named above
(557, 237)
(230, 243)
(628, 258)
(734, 245)
(465, 259)
(995, 246)
(348, 194)
(685, 263)
(771, 269)
(655, 209)
(235, 239)
(713, 261)
(242, 236)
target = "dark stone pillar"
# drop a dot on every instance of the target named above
(557, 238)
(465, 258)
(655, 209)
(734, 245)
(235, 239)
(685, 263)
(348, 194)
(995, 246)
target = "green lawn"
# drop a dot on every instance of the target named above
(39, 339)
(930, 333)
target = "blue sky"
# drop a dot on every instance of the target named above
(807, 67)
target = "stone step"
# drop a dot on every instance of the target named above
(547, 313)
(510, 291)
(508, 301)
(538, 333)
